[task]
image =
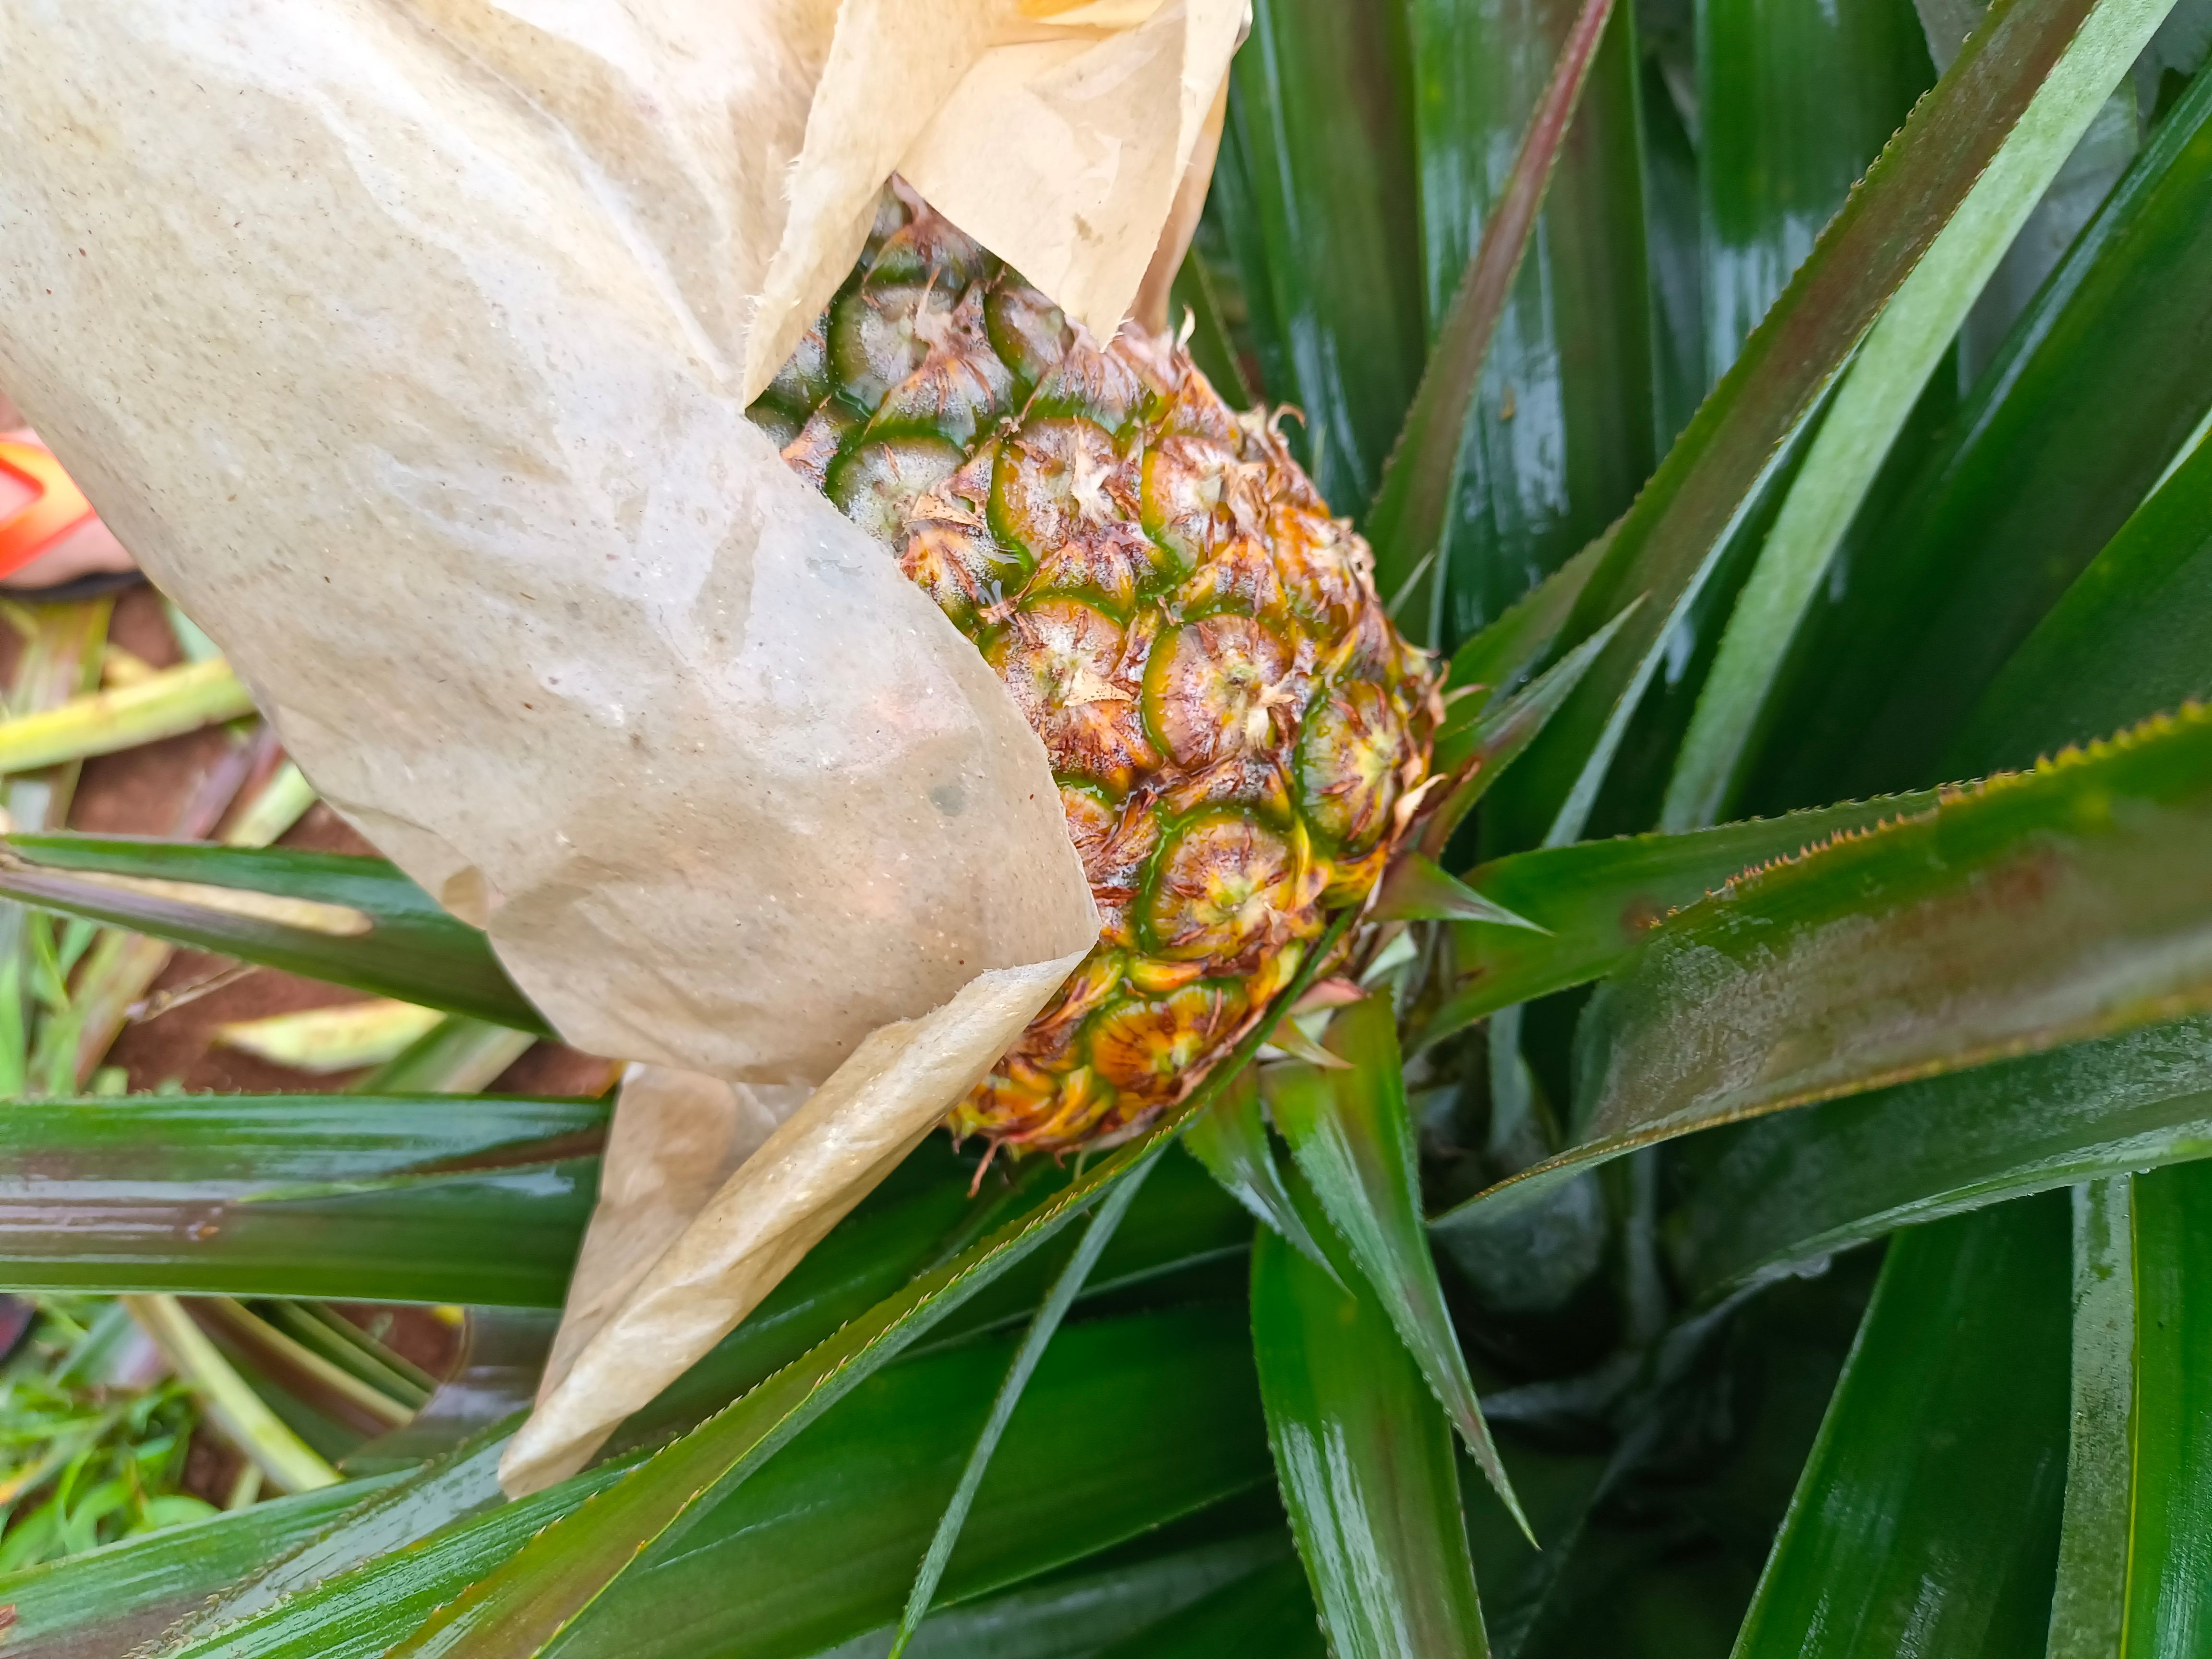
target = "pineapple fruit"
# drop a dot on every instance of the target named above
(1238, 731)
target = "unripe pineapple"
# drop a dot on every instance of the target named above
(1233, 722)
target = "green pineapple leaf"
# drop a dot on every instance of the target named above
(1264, 1612)
(1595, 904)
(430, 1198)
(1230, 1139)
(1415, 890)
(2089, 1600)
(1352, 1140)
(1478, 751)
(920, 1216)
(1927, 1517)
(2034, 910)
(1886, 378)
(565, 1569)
(391, 1513)
(359, 1614)
(2133, 634)
(2102, 381)
(354, 921)
(1044, 1324)
(1570, 358)
(1761, 1196)
(1181, 1228)
(1793, 103)
(113, 1599)
(524, 1606)
(1142, 1598)
(1499, 658)
(2039, 907)
(1413, 504)
(892, 1235)
(1127, 1424)
(1131, 1422)
(1326, 227)
(1366, 1466)
(2131, 1576)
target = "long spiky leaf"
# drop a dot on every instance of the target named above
(1096, 1235)
(2034, 910)
(1230, 1137)
(1406, 522)
(1351, 1135)
(1364, 1463)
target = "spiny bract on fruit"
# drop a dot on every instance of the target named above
(1237, 729)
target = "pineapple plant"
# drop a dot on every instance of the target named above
(1653, 989)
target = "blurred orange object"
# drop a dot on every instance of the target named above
(55, 507)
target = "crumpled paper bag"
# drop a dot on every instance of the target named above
(677, 1138)
(407, 344)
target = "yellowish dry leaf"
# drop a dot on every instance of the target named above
(336, 1039)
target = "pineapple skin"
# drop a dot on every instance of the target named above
(1238, 731)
